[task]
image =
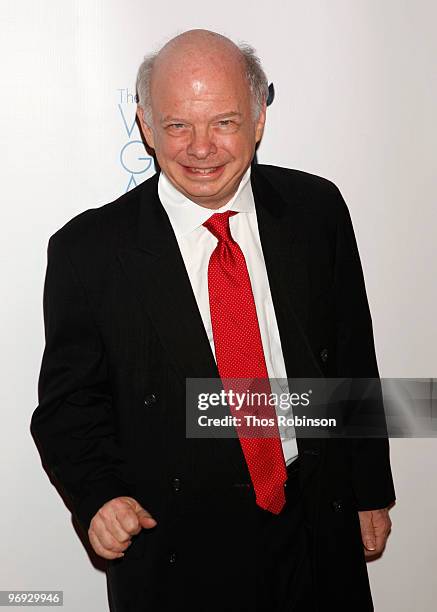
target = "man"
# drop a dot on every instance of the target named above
(214, 268)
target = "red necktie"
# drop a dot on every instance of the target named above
(240, 355)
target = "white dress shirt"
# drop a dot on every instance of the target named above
(196, 244)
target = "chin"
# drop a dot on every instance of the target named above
(212, 191)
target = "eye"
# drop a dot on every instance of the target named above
(225, 122)
(176, 125)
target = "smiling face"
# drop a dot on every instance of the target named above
(203, 130)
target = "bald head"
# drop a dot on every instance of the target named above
(195, 45)
(202, 109)
(199, 49)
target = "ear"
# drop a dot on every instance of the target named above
(259, 129)
(145, 128)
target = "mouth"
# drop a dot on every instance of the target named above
(211, 172)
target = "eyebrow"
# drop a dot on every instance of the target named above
(171, 119)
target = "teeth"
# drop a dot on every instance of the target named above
(203, 170)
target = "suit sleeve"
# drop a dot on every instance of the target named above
(73, 424)
(355, 359)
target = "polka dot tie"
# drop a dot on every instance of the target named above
(240, 359)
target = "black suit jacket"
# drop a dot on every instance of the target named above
(123, 332)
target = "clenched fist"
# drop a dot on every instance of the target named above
(375, 527)
(111, 529)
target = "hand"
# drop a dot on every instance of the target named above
(375, 527)
(113, 525)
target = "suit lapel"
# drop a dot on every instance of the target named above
(157, 273)
(284, 240)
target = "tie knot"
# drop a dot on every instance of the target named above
(218, 225)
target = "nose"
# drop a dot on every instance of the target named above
(201, 144)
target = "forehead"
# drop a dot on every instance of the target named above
(199, 82)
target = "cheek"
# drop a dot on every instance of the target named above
(169, 149)
(238, 145)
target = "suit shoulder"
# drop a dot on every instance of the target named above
(317, 191)
(286, 176)
(100, 225)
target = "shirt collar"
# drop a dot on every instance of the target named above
(185, 215)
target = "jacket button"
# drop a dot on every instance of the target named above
(337, 505)
(150, 399)
(312, 451)
(324, 355)
(172, 558)
(176, 484)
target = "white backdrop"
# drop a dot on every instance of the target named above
(356, 94)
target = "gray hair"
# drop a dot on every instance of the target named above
(254, 72)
